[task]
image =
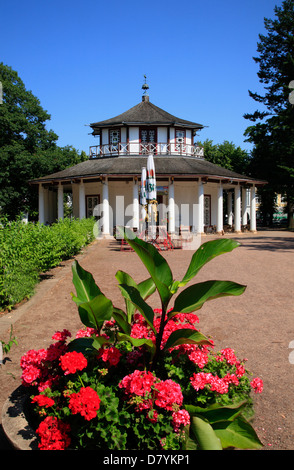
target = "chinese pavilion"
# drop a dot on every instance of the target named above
(191, 192)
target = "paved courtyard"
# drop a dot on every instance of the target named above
(258, 325)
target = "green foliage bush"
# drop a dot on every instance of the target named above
(26, 250)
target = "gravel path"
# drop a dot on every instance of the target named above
(258, 325)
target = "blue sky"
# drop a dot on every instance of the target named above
(85, 60)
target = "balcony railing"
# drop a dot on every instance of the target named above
(132, 148)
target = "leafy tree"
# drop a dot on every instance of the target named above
(227, 155)
(27, 149)
(273, 131)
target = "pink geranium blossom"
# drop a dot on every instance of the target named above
(180, 418)
(138, 383)
(257, 385)
(168, 394)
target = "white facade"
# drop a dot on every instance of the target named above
(194, 205)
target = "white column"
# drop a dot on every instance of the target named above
(171, 207)
(82, 201)
(135, 205)
(237, 212)
(220, 225)
(244, 206)
(252, 209)
(200, 224)
(105, 197)
(60, 202)
(41, 204)
(230, 208)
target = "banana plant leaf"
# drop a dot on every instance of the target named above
(133, 295)
(145, 288)
(193, 297)
(154, 262)
(86, 288)
(204, 434)
(206, 252)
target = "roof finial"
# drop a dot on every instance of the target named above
(145, 87)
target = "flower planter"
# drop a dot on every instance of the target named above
(140, 379)
(15, 421)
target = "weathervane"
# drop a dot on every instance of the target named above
(145, 87)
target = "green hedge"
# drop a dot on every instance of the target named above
(26, 250)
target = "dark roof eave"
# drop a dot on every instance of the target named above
(161, 175)
(146, 123)
(123, 166)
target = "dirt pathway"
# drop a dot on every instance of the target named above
(259, 325)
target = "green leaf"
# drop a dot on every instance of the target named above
(86, 346)
(205, 253)
(217, 412)
(146, 288)
(137, 342)
(154, 262)
(96, 311)
(186, 336)
(132, 294)
(204, 434)
(193, 297)
(124, 278)
(238, 433)
(86, 288)
(189, 444)
(121, 319)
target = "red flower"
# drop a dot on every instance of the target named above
(30, 374)
(152, 416)
(61, 335)
(168, 394)
(257, 385)
(42, 400)
(33, 357)
(56, 350)
(86, 332)
(139, 382)
(112, 355)
(180, 418)
(229, 355)
(73, 361)
(54, 434)
(216, 384)
(86, 402)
